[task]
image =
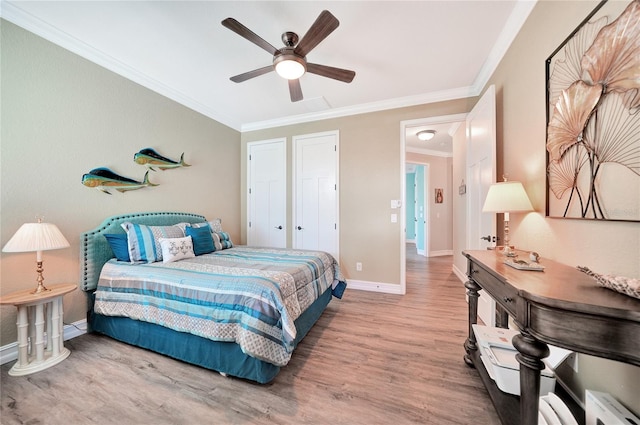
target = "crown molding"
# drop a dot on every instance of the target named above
(420, 99)
(430, 152)
(518, 17)
(23, 19)
(17, 16)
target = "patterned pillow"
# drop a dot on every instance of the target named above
(202, 239)
(223, 239)
(143, 242)
(174, 249)
(215, 225)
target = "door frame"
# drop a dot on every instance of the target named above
(294, 178)
(404, 125)
(282, 140)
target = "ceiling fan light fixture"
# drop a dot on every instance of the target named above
(425, 135)
(290, 67)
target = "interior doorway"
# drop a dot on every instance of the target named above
(417, 210)
(443, 126)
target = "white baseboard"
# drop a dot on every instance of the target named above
(363, 285)
(421, 252)
(461, 275)
(9, 352)
(413, 241)
(441, 253)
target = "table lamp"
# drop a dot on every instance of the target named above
(37, 237)
(506, 197)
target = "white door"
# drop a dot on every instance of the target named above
(481, 173)
(266, 194)
(315, 222)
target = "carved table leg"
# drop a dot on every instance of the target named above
(470, 343)
(530, 355)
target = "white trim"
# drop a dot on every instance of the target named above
(35, 25)
(430, 152)
(421, 99)
(443, 119)
(460, 274)
(363, 285)
(441, 253)
(512, 27)
(9, 352)
(14, 14)
(422, 252)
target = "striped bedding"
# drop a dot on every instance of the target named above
(250, 296)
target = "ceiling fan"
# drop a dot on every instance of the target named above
(290, 61)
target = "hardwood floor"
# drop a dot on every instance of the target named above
(371, 359)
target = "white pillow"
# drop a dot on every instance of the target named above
(174, 249)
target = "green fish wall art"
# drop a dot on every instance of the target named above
(104, 179)
(152, 160)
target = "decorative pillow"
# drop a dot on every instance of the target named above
(174, 249)
(119, 246)
(224, 240)
(202, 239)
(214, 225)
(143, 242)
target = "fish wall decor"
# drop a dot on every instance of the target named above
(104, 179)
(152, 160)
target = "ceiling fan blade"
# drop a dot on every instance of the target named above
(295, 90)
(251, 74)
(324, 25)
(339, 74)
(245, 32)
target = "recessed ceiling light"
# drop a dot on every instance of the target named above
(425, 135)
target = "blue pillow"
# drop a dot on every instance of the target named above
(202, 239)
(119, 246)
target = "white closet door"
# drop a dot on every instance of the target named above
(316, 192)
(266, 194)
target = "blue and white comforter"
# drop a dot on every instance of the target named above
(250, 296)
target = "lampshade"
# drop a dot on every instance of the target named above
(507, 196)
(425, 135)
(36, 237)
(290, 67)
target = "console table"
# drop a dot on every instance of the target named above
(37, 313)
(560, 306)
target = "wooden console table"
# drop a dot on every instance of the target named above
(560, 306)
(37, 313)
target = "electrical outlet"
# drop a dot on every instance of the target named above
(358, 267)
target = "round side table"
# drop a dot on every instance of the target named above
(37, 313)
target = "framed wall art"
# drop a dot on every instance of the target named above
(593, 117)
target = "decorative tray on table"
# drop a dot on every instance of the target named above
(524, 265)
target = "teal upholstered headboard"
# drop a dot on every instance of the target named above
(95, 250)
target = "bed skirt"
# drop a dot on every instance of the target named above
(225, 357)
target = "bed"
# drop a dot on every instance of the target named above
(237, 310)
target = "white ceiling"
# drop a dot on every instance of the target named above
(404, 53)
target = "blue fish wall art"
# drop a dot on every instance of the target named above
(104, 179)
(152, 160)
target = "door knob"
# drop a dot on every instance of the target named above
(300, 228)
(279, 227)
(486, 238)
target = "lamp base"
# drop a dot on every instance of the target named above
(40, 279)
(40, 289)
